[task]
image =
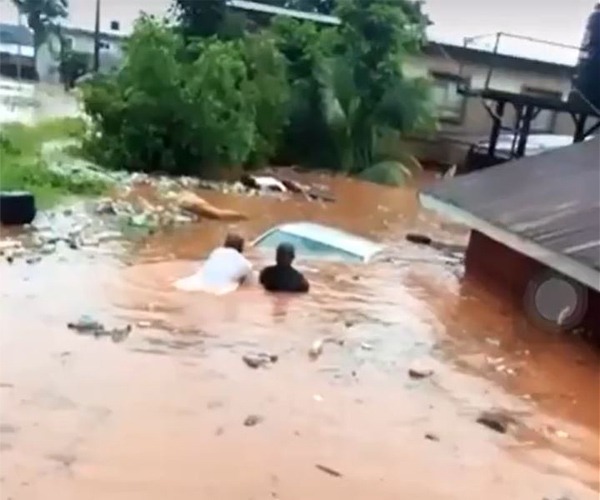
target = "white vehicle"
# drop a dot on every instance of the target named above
(315, 241)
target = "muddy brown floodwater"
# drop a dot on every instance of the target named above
(161, 415)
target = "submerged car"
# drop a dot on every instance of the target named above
(315, 241)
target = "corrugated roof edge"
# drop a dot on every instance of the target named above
(559, 262)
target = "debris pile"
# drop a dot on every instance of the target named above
(86, 325)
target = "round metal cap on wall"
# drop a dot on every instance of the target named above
(553, 301)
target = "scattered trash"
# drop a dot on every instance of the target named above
(494, 342)
(106, 207)
(259, 360)
(9, 245)
(316, 349)
(252, 420)
(263, 183)
(328, 470)
(562, 434)
(33, 259)
(432, 437)
(86, 325)
(366, 346)
(496, 421)
(318, 398)
(118, 334)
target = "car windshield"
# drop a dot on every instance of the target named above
(307, 247)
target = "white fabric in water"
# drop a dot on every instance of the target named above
(220, 274)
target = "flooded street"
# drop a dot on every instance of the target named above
(161, 414)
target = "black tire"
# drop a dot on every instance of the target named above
(17, 208)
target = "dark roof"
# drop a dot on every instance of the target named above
(479, 56)
(546, 206)
(17, 35)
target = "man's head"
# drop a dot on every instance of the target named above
(234, 241)
(285, 254)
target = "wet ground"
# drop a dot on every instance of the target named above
(162, 414)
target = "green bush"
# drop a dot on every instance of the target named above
(190, 100)
(165, 111)
(221, 106)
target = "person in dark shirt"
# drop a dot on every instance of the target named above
(282, 277)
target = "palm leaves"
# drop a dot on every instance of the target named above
(358, 129)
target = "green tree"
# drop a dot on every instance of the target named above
(42, 16)
(221, 103)
(200, 18)
(267, 71)
(365, 93)
(166, 111)
(302, 45)
(138, 115)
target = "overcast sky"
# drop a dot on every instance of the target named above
(558, 20)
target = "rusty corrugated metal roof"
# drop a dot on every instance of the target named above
(549, 203)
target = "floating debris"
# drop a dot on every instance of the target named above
(419, 371)
(496, 421)
(86, 325)
(328, 470)
(252, 420)
(418, 238)
(259, 360)
(316, 348)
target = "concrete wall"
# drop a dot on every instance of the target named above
(446, 146)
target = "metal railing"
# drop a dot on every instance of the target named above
(501, 44)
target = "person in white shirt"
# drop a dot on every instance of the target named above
(224, 270)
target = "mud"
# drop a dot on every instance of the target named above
(161, 414)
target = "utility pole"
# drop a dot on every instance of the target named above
(97, 39)
(19, 51)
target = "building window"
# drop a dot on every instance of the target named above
(114, 25)
(450, 103)
(545, 120)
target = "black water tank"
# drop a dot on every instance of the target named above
(587, 72)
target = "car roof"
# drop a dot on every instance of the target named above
(333, 237)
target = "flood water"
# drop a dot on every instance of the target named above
(161, 415)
